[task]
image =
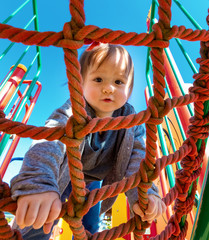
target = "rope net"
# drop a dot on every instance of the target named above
(74, 35)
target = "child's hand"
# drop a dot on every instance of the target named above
(156, 207)
(38, 210)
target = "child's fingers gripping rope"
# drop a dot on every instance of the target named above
(156, 207)
(38, 209)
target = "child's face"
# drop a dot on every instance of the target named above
(107, 88)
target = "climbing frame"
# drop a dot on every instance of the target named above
(75, 34)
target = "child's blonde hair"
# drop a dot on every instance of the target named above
(101, 53)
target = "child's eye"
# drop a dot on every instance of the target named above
(98, 79)
(118, 82)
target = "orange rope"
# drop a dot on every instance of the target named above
(74, 35)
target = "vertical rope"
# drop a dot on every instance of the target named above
(74, 35)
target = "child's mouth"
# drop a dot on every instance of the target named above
(107, 100)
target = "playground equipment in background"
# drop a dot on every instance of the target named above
(11, 88)
(120, 213)
(167, 179)
(173, 131)
(18, 95)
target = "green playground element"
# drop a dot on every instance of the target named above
(201, 218)
(34, 64)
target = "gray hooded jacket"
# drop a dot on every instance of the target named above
(45, 165)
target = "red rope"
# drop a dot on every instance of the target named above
(74, 35)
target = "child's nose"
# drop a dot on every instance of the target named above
(108, 88)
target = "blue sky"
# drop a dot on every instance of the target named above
(129, 16)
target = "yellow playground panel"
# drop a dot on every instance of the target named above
(61, 231)
(120, 215)
(190, 152)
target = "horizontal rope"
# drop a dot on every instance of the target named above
(74, 35)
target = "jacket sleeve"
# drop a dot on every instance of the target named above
(41, 165)
(138, 153)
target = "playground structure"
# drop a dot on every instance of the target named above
(75, 34)
(18, 95)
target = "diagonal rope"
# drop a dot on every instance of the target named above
(74, 35)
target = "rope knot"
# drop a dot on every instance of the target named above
(198, 132)
(160, 35)
(69, 31)
(71, 128)
(199, 159)
(175, 221)
(140, 228)
(157, 29)
(203, 93)
(199, 122)
(68, 138)
(166, 109)
(180, 233)
(70, 209)
(191, 142)
(154, 111)
(185, 206)
(152, 105)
